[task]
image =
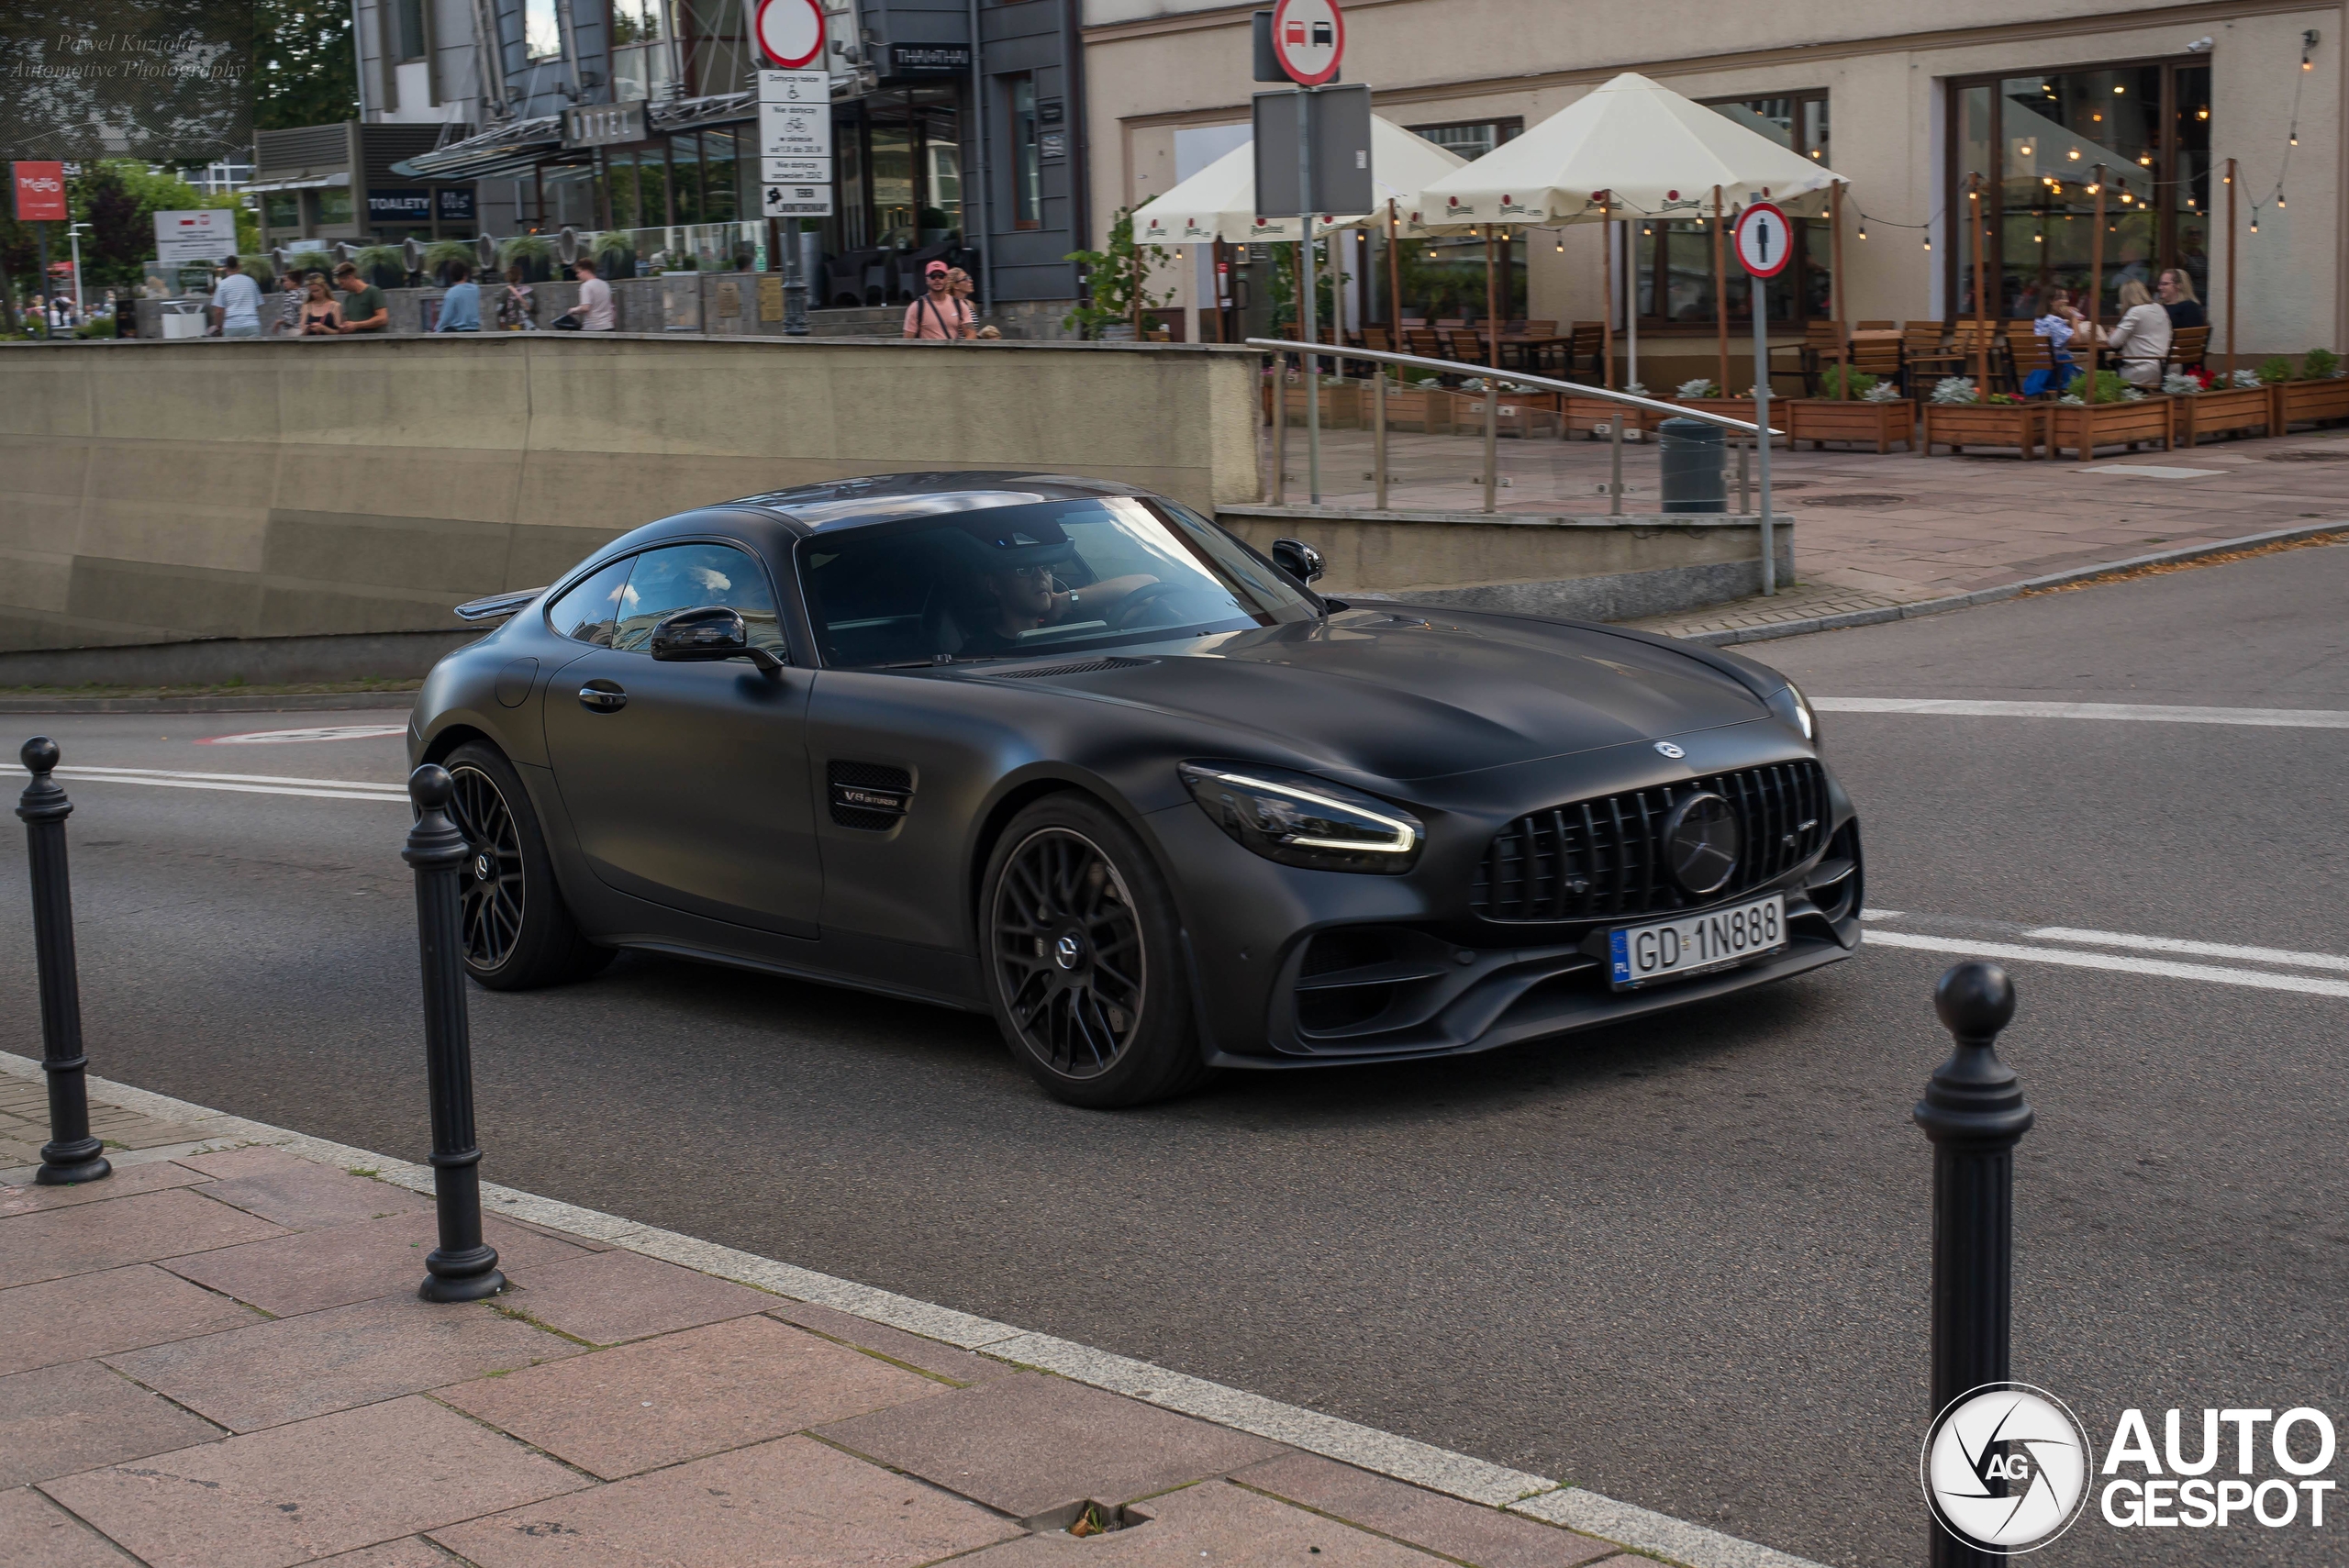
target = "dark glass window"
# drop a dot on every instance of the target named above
(2038, 141)
(1027, 157)
(585, 611)
(408, 28)
(688, 576)
(1672, 265)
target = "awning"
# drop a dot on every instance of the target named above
(340, 177)
(1219, 201)
(719, 108)
(511, 148)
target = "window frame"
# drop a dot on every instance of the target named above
(547, 601)
(1023, 137)
(1794, 284)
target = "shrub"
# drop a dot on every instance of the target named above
(1882, 392)
(2177, 384)
(2243, 380)
(2275, 371)
(386, 266)
(1954, 389)
(1831, 381)
(1703, 386)
(2319, 364)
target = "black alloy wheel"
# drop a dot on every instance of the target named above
(1081, 940)
(492, 887)
(519, 933)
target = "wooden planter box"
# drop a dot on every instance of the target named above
(1586, 415)
(2309, 402)
(1821, 419)
(1518, 414)
(2238, 408)
(2085, 427)
(1735, 409)
(1342, 407)
(1958, 425)
(1427, 410)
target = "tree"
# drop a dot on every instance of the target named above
(306, 70)
(1117, 279)
(119, 198)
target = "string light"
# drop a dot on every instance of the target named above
(1929, 241)
(1864, 231)
(2073, 155)
(2279, 201)
(2296, 136)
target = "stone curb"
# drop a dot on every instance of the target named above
(1398, 1458)
(1732, 635)
(294, 703)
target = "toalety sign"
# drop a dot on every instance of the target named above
(2008, 1467)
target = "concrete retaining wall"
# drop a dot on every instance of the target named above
(1586, 568)
(154, 492)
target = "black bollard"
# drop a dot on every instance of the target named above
(1974, 1113)
(71, 1155)
(463, 1267)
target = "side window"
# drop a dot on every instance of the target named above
(584, 612)
(686, 577)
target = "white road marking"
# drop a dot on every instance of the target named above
(240, 783)
(2199, 949)
(1975, 947)
(325, 732)
(2152, 471)
(2263, 718)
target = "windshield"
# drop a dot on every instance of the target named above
(1098, 572)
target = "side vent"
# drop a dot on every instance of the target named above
(1083, 667)
(871, 796)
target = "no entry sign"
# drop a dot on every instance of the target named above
(1765, 241)
(791, 32)
(1309, 40)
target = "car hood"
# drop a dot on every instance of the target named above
(1419, 694)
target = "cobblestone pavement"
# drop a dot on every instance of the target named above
(215, 1358)
(1876, 529)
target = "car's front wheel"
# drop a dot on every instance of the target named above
(518, 934)
(1084, 957)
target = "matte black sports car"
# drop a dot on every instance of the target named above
(1068, 753)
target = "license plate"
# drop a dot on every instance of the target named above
(1670, 949)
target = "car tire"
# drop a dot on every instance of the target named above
(518, 932)
(1084, 959)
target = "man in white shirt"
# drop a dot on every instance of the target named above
(236, 303)
(594, 309)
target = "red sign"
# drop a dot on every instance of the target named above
(41, 193)
(791, 32)
(1765, 241)
(1309, 40)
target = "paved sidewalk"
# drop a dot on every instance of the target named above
(216, 1359)
(1875, 531)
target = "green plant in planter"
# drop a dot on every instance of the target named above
(2106, 387)
(615, 252)
(2275, 371)
(261, 268)
(386, 266)
(1831, 381)
(1117, 279)
(534, 253)
(2319, 364)
(442, 254)
(302, 264)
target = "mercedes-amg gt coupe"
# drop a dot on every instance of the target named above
(1068, 753)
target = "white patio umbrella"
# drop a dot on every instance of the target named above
(1633, 148)
(1219, 201)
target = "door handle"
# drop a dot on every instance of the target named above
(606, 698)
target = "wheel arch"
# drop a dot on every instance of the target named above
(453, 736)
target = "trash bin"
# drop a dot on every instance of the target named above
(1689, 452)
(183, 318)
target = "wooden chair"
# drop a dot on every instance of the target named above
(1874, 326)
(1586, 347)
(1923, 360)
(1465, 344)
(1424, 342)
(1878, 356)
(1973, 348)
(1819, 349)
(1378, 338)
(2028, 351)
(2188, 348)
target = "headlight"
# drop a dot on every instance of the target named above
(1788, 704)
(1301, 820)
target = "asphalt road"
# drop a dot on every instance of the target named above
(1685, 1263)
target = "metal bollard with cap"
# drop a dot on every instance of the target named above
(72, 1155)
(1974, 1113)
(463, 1267)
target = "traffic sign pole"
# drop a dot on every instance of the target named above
(1310, 42)
(1765, 243)
(1304, 307)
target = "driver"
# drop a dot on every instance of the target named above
(1014, 590)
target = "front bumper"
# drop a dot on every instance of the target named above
(1294, 968)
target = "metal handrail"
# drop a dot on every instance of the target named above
(1454, 367)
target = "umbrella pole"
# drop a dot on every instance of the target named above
(1835, 265)
(1492, 321)
(2096, 297)
(1631, 303)
(1607, 315)
(2231, 271)
(1393, 280)
(1720, 291)
(1981, 293)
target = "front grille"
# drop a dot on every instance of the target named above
(1597, 858)
(871, 796)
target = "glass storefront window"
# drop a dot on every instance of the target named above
(1443, 278)
(719, 150)
(281, 209)
(1027, 166)
(684, 178)
(641, 50)
(893, 184)
(334, 204)
(2042, 142)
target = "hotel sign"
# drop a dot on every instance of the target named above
(604, 125)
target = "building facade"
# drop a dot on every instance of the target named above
(1917, 105)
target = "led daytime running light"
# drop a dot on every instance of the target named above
(1407, 837)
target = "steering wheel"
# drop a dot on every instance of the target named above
(1131, 604)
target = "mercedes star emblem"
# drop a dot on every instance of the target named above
(1669, 749)
(1700, 840)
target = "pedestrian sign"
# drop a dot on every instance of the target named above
(1765, 241)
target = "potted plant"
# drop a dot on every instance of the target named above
(1852, 406)
(386, 266)
(1960, 414)
(1116, 282)
(2204, 405)
(615, 252)
(534, 253)
(1418, 403)
(2319, 391)
(442, 254)
(1595, 416)
(2106, 411)
(1516, 409)
(1704, 393)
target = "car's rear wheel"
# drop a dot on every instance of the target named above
(519, 933)
(1084, 959)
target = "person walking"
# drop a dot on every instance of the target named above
(460, 306)
(2178, 301)
(518, 307)
(594, 309)
(365, 308)
(938, 314)
(236, 303)
(2141, 340)
(321, 318)
(289, 305)
(965, 289)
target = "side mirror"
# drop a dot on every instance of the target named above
(1298, 559)
(706, 635)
